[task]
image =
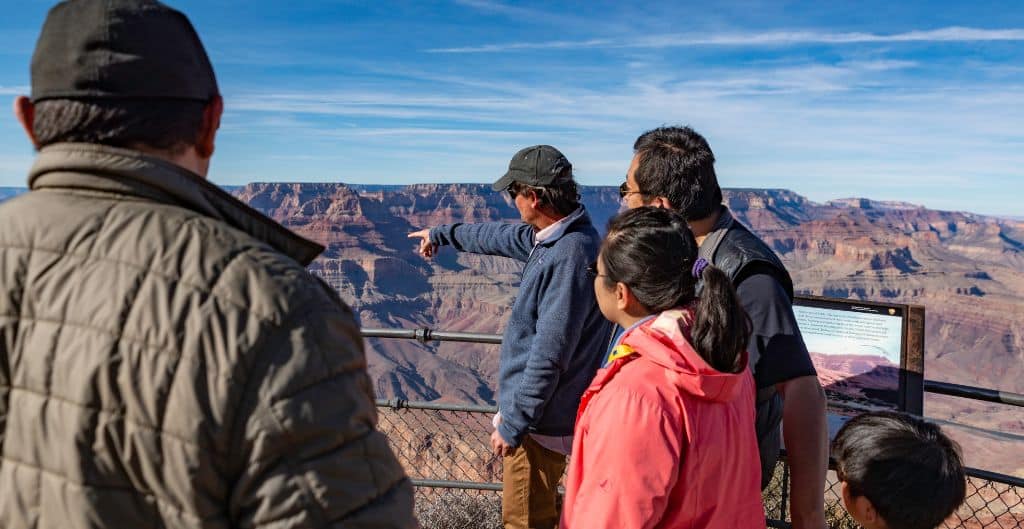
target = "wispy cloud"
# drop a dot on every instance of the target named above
(547, 45)
(497, 7)
(444, 133)
(564, 19)
(14, 90)
(803, 96)
(771, 38)
(569, 108)
(850, 128)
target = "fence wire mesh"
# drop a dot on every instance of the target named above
(446, 451)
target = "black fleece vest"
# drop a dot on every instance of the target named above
(741, 253)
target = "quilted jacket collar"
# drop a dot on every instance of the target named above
(103, 169)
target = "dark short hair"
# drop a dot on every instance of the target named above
(162, 124)
(910, 471)
(563, 195)
(677, 163)
(652, 251)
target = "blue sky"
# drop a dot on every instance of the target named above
(913, 101)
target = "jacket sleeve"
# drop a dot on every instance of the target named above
(631, 457)
(567, 295)
(490, 238)
(309, 454)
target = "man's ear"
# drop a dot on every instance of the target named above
(208, 131)
(533, 198)
(25, 112)
(660, 202)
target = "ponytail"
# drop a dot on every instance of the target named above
(653, 252)
(721, 328)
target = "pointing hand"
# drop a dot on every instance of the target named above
(427, 249)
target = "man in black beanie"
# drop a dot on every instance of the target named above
(165, 358)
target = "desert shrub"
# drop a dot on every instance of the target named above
(458, 509)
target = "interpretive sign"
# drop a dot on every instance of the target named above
(868, 355)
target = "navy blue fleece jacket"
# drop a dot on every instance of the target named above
(555, 338)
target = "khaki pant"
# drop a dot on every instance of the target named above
(530, 497)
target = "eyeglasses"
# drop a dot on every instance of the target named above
(592, 271)
(625, 191)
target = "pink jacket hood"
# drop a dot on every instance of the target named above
(665, 341)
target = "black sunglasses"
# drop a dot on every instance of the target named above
(625, 191)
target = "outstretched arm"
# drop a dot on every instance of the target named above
(490, 238)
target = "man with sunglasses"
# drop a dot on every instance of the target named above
(555, 336)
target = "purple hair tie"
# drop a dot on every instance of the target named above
(698, 267)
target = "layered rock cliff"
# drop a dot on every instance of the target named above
(968, 270)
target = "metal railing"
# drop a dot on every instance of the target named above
(445, 449)
(426, 334)
(974, 393)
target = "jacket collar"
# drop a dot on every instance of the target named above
(666, 341)
(552, 233)
(103, 169)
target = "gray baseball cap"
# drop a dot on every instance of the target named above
(537, 166)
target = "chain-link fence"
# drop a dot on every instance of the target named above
(446, 451)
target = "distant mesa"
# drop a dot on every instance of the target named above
(865, 379)
(867, 203)
(966, 269)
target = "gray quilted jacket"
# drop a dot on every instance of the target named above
(167, 361)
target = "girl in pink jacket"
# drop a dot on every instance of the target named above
(665, 433)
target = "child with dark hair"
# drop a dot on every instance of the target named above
(898, 471)
(665, 433)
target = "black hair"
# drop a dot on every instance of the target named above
(652, 251)
(170, 125)
(677, 163)
(909, 470)
(562, 195)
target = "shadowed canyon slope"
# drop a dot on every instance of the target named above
(371, 262)
(966, 269)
